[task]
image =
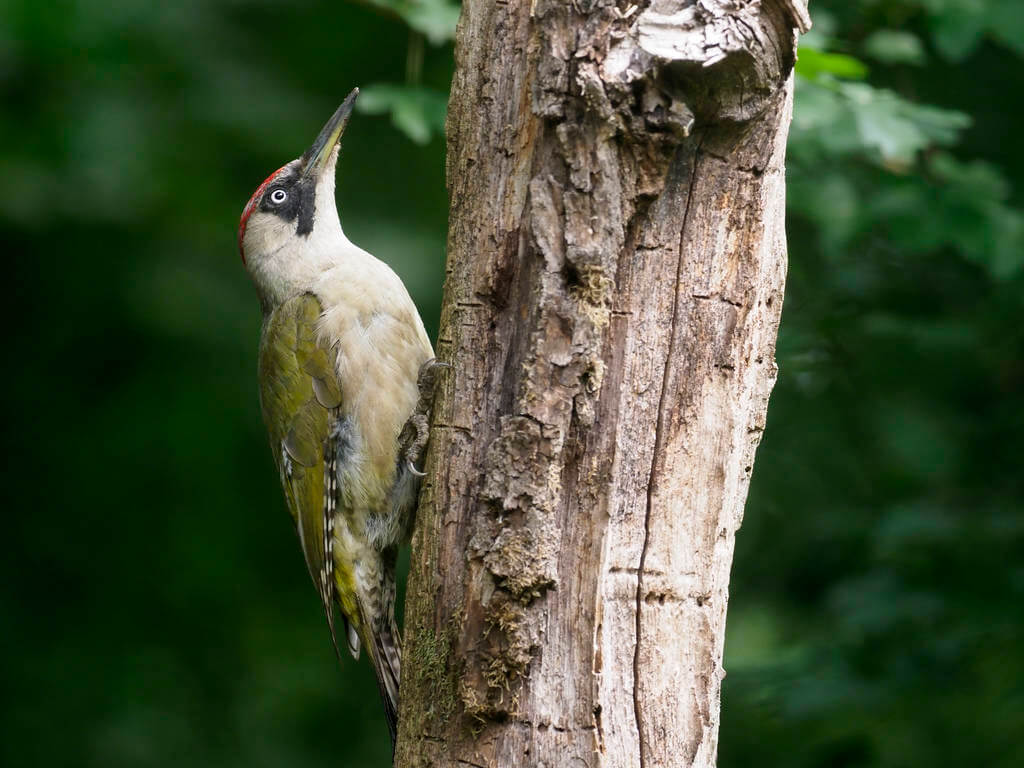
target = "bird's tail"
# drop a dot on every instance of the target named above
(385, 650)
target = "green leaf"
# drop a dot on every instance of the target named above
(985, 229)
(957, 31)
(959, 26)
(436, 19)
(894, 47)
(975, 180)
(817, 107)
(898, 128)
(942, 126)
(882, 127)
(1007, 24)
(812, 64)
(417, 112)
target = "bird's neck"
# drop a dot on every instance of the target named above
(301, 262)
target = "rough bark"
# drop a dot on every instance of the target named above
(615, 275)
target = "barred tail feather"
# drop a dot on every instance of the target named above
(385, 653)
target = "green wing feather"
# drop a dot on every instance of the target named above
(300, 397)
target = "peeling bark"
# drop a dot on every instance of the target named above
(616, 267)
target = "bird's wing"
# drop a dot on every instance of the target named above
(300, 396)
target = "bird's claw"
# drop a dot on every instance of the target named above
(416, 431)
(425, 381)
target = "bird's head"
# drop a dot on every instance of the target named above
(289, 230)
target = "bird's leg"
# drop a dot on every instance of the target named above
(413, 437)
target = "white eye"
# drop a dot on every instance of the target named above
(278, 196)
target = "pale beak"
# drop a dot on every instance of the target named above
(318, 156)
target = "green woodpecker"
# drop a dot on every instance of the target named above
(340, 358)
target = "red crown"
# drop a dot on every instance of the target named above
(250, 206)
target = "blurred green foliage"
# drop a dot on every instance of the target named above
(156, 607)
(415, 111)
(876, 602)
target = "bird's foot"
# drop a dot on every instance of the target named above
(426, 379)
(413, 439)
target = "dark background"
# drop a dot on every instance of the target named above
(155, 609)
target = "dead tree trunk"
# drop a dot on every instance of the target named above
(616, 261)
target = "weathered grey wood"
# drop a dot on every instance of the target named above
(615, 276)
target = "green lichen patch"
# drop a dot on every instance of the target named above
(432, 671)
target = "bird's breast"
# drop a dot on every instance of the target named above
(378, 356)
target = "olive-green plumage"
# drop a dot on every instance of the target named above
(340, 355)
(300, 396)
(315, 447)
